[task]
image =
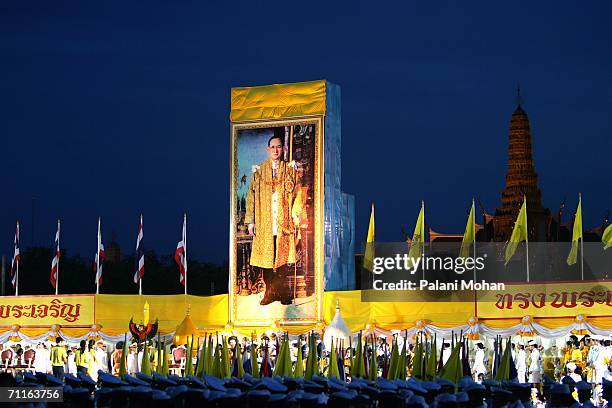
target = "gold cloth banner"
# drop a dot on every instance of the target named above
(278, 101)
(65, 310)
(547, 300)
(113, 312)
(394, 315)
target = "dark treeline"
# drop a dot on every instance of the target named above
(77, 275)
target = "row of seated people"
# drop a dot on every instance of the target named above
(19, 360)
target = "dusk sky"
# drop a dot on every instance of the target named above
(114, 108)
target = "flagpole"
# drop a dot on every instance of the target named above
(185, 244)
(98, 260)
(474, 252)
(526, 240)
(58, 259)
(581, 240)
(474, 235)
(140, 231)
(17, 280)
(423, 233)
(17, 261)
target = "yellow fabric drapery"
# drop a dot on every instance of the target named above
(278, 101)
(111, 314)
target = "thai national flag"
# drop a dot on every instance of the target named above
(180, 255)
(16, 257)
(99, 258)
(139, 255)
(56, 258)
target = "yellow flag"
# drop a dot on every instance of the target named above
(469, 236)
(418, 237)
(607, 237)
(519, 233)
(577, 233)
(368, 258)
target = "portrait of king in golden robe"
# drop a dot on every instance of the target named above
(275, 216)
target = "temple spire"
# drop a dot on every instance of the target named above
(521, 180)
(519, 99)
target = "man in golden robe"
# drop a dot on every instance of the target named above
(273, 215)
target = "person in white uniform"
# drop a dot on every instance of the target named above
(521, 363)
(534, 368)
(479, 364)
(102, 357)
(131, 360)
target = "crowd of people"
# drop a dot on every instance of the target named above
(581, 364)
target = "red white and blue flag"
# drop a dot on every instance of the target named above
(16, 257)
(139, 255)
(99, 259)
(180, 255)
(56, 258)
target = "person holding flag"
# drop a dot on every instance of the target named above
(139, 273)
(54, 277)
(99, 260)
(15, 263)
(180, 255)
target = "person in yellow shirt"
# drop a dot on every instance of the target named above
(81, 358)
(58, 359)
(567, 352)
(577, 355)
(92, 366)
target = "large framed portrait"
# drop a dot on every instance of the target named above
(276, 232)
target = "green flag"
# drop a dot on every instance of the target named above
(189, 360)
(576, 234)
(332, 367)
(373, 369)
(210, 356)
(239, 361)
(453, 370)
(254, 363)
(503, 370)
(200, 358)
(312, 366)
(393, 364)
(145, 366)
(282, 366)
(201, 364)
(299, 362)
(418, 236)
(123, 363)
(165, 369)
(225, 361)
(358, 367)
(469, 236)
(432, 361)
(519, 233)
(606, 238)
(417, 364)
(287, 361)
(216, 369)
